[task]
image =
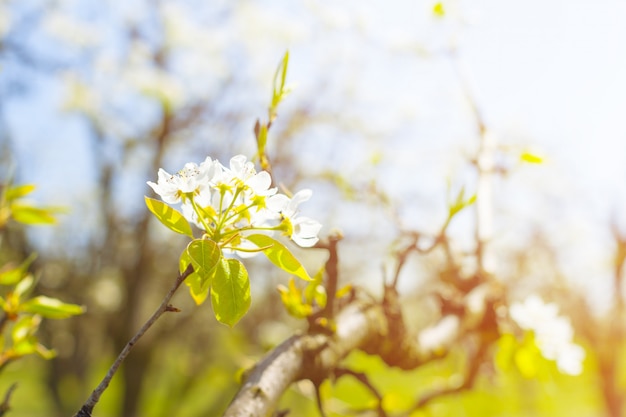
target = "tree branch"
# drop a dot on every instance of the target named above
(305, 356)
(87, 408)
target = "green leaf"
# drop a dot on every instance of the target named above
(279, 84)
(315, 291)
(438, 9)
(279, 255)
(506, 346)
(204, 255)
(262, 139)
(11, 276)
(18, 191)
(460, 203)
(51, 308)
(343, 291)
(230, 292)
(171, 218)
(25, 347)
(198, 288)
(292, 300)
(527, 359)
(31, 215)
(531, 158)
(279, 91)
(24, 328)
(24, 286)
(44, 352)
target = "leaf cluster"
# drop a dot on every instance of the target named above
(225, 279)
(22, 310)
(13, 206)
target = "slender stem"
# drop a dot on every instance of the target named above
(200, 215)
(223, 219)
(87, 408)
(485, 164)
(238, 212)
(3, 322)
(6, 406)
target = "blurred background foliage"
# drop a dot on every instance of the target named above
(381, 124)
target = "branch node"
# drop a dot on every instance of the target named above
(172, 309)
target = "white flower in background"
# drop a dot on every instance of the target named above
(439, 335)
(553, 333)
(5, 19)
(62, 26)
(155, 82)
(80, 96)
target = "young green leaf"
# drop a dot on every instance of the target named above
(18, 191)
(279, 91)
(11, 276)
(26, 346)
(171, 218)
(531, 158)
(279, 80)
(204, 255)
(198, 288)
(51, 308)
(24, 328)
(279, 255)
(343, 291)
(31, 215)
(438, 9)
(315, 291)
(230, 292)
(292, 300)
(24, 286)
(528, 359)
(460, 203)
(44, 352)
(24, 340)
(262, 139)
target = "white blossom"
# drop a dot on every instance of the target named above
(192, 179)
(231, 202)
(305, 231)
(70, 30)
(5, 20)
(440, 334)
(553, 333)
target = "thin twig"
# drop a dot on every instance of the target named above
(403, 255)
(87, 408)
(467, 382)
(363, 379)
(332, 272)
(318, 400)
(5, 406)
(485, 165)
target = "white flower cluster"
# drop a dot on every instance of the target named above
(553, 333)
(229, 202)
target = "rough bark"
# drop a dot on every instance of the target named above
(306, 356)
